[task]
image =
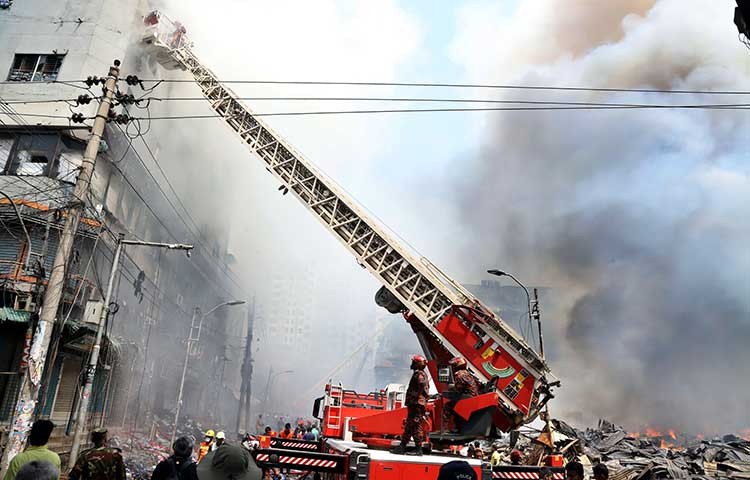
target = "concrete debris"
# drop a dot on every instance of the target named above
(632, 457)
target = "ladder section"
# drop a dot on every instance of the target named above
(413, 282)
(333, 416)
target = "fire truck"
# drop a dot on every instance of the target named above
(447, 320)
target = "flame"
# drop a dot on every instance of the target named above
(672, 434)
(745, 434)
(652, 432)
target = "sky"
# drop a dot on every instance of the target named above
(621, 211)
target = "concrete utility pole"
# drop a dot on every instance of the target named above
(243, 412)
(83, 405)
(196, 325)
(30, 383)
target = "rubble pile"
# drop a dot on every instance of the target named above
(143, 450)
(632, 457)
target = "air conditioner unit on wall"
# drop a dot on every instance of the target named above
(93, 312)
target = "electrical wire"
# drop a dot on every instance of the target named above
(463, 85)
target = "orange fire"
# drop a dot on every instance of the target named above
(652, 432)
(672, 434)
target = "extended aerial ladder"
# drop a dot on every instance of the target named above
(447, 319)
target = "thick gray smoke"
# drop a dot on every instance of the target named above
(637, 218)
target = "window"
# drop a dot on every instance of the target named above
(33, 154)
(35, 68)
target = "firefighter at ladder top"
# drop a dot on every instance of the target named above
(416, 402)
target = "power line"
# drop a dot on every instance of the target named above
(197, 235)
(463, 85)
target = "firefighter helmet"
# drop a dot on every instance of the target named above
(210, 433)
(418, 362)
(458, 363)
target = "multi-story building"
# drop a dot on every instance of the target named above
(46, 43)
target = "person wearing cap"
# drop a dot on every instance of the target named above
(220, 439)
(457, 470)
(36, 451)
(100, 462)
(229, 461)
(206, 445)
(416, 404)
(179, 465)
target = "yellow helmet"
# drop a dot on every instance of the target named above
(210, 433)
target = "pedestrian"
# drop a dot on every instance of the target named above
(179, 465)
(229, 461)
(478, 452)
(601, 472)
(269, 432)
(465, 385)
(100, 462)
(299, 430)
(315, 430)
(516, 457)
(287, 433)
(416, 403)
(259, 424)
(574, 471)
(220, 439)
(495, 457)
(309, 435)
(206, 445)
(38, 470)
(456, 470)
(37, 449)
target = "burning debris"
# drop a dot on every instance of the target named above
(650, 455)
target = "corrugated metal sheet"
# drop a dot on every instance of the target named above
(10, 248)
(8, 314)
(66, 389)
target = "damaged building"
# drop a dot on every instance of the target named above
(45, 44)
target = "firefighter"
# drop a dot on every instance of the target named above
(287, 433)
(416, 402)
(206, 444)
(464, 382)
(465, 385)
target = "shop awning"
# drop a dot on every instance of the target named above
(8, 314)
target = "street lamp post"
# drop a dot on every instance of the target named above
(195, 336)
(269, 384)
(533, 307)
(94, 357)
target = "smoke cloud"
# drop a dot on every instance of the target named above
(636, 219)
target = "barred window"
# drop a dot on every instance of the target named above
(35, 68)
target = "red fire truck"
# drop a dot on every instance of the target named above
(447, 319)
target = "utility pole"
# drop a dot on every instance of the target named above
(196, 325)
(83, 406)
(30, 382)
(243, 413)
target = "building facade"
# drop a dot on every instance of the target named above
(45, 43)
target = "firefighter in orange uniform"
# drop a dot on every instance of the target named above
(206, 444)
(416, 402)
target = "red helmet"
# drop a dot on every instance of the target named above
(458, 363)
(418, 362)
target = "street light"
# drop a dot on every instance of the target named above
(533, 307)
(269, 384)
(83, 405)
(194, 329)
